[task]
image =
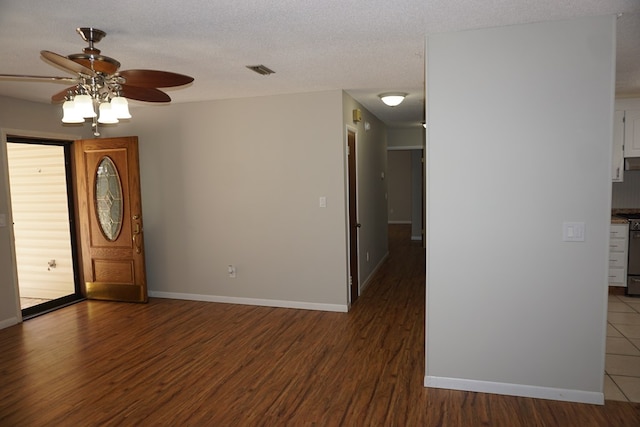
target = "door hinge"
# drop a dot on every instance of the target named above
(350, 280)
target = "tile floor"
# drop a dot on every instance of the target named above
(622, 361)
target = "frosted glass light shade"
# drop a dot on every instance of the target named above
(120, 107)
(84, 105)
(70, 113)
(107, 116)
(392, 99)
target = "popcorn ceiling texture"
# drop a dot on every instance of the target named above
(362, 46)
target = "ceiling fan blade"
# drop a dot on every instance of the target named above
(30, 77)
(100, 63)
(66, 63)
(60, 96)
(144, 94)
(154, 78)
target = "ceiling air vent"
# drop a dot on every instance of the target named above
(261, 69)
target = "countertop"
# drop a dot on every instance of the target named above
(618, 219)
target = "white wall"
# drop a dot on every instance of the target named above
(520, 131)
(9, 308)
(238, 182)
(371, 159)
(264, 163)
(399, 163)
(411, 139)
(417, 194)
(405, 138)
(406, 189)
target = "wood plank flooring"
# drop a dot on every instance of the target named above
(183, 363)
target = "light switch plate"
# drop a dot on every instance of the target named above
(573, 231)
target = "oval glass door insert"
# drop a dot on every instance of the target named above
(109, 199)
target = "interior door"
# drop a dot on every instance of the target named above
(110, 219)
(354, 225)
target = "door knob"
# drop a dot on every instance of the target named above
(136, 235)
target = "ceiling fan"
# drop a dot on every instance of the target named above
(98, 83)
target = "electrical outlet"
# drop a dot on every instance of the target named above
(232, 271)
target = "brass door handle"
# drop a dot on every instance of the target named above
(137, 241)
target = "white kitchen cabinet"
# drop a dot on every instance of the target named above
(617, 167)
(618, 249)
(631, 133)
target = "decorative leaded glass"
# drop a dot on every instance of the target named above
(109, 199)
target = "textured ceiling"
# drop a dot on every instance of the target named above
(362, 46)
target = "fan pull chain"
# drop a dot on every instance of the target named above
(94, 126)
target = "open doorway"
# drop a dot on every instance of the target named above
(43, 223)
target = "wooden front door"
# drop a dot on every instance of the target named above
(110, 219)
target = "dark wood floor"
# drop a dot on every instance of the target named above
(182, 363)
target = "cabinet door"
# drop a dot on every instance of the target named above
(617, 277)
(618, 248)
(617, 159)
(619, 231)
(632, 134)
(617, 259)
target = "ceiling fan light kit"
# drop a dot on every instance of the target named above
(99, 86)
(392, 99)
(70, 113)
(120, 107)
(83, 103)
(107, 115)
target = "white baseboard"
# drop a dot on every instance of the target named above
(251, 301)
(508, 389)
(9, 322)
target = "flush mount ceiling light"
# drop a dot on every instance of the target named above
(392, 98)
